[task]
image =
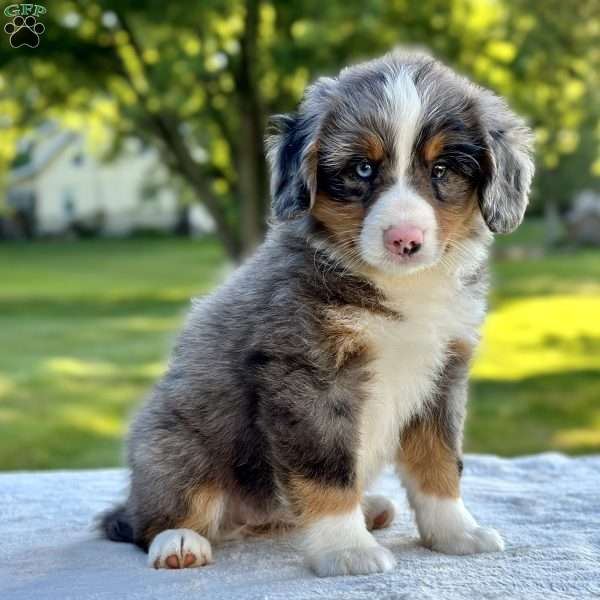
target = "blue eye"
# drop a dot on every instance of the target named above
(364, 169)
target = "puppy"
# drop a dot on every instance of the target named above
(343, 345)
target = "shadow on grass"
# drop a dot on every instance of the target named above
(557, 273)
(559, 411)
(154, 304)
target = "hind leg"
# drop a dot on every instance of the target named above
(183, 542)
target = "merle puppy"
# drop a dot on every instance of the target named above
(343, 345)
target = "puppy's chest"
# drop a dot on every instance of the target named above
(407, 356)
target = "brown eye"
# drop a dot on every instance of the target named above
(364, 169)
(438, 171)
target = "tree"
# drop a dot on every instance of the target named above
(198, 80)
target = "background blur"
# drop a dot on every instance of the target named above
(132, 177)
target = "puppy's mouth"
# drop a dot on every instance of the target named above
(404, 259)
(406, 264)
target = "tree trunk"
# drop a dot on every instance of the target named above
(251, 161)
(168, 131)
(249, 156)
(552, 220)
(552, 224)
(187, 167)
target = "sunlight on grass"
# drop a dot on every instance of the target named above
(152, 370)
(75, 368)
(6, 386)
(8, 414)
(577, 438)
(540, 335)
(90, 420)
(141, 324)
(64, 366)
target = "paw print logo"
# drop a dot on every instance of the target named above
(24, 31)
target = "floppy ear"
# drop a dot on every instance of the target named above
(505, 192)
(292, 149)
(292, 154)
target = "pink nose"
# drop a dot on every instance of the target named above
(404, 240)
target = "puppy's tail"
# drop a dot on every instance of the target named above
(115, 525)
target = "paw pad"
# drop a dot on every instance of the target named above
(24, 31)
(381, 520)
(173, 562)
(379, 512)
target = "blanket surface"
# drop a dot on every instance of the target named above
(547, 507)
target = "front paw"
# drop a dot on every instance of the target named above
(352, 561)
(469, 541)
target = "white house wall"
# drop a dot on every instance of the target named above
(52, 186)
(110, 193)
(120, 185)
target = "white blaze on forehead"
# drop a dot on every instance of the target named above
(405, 110)
(400, 204)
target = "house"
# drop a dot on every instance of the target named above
(583, 219)
(63, 189)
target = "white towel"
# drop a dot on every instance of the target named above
(547, 508)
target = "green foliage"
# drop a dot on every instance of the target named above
(88, 326)
(198, 80)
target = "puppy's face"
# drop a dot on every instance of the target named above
(398, 172)
(398, 160)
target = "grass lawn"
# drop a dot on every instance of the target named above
(85, 328)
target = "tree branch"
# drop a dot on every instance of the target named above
(168, 131)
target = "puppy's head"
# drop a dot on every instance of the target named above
(399, 160)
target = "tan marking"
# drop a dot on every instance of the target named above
(433, 147)
(343, 220)
(456, 221)
(373, 147)
(206, 507)
(313, 500)
(345, 335)
(461, 350)
(429, 460)
(220, 517)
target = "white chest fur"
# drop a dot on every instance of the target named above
(408, 355)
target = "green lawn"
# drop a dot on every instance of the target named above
(84, 331)
(85, 328)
